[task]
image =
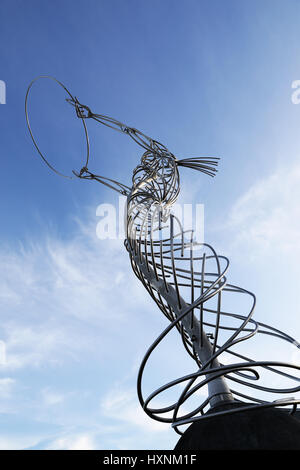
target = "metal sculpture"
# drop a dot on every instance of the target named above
(188, 282)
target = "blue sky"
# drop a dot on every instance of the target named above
(204, 78)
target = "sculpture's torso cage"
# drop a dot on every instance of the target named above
(187, 280)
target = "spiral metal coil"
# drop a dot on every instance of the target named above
(188, 282)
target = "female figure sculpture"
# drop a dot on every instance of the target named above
(188, 282)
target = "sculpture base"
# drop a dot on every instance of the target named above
(261, 428)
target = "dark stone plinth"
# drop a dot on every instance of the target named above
(260, 428)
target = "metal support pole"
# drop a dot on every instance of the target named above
(218, 389)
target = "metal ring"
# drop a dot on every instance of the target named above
(31, 133)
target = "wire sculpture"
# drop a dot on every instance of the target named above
(188, 282)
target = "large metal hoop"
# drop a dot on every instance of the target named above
(73, 100)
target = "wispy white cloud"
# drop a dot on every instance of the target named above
(266, 218)
(17, 441)
(6, 385)
(73, 442)
(121, 405)
(50, 287)
(51, 397)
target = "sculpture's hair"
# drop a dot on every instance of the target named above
(204, 164)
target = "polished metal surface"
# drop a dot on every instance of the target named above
(188, 282)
